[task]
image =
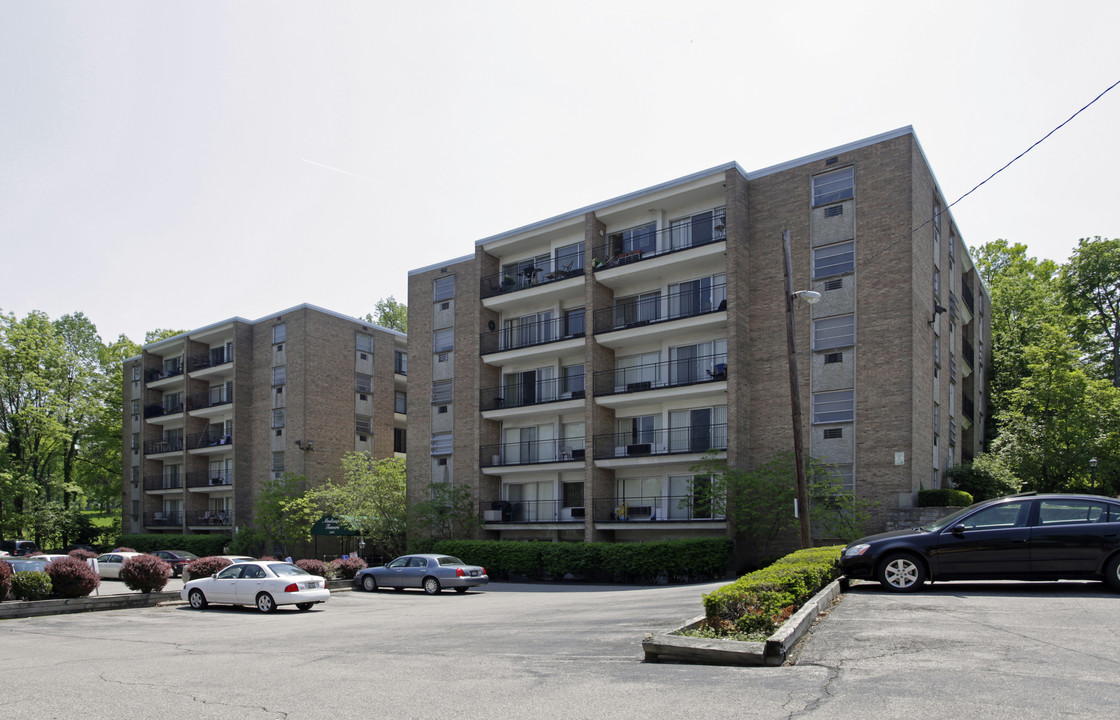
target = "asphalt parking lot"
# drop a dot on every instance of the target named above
(1014, 650)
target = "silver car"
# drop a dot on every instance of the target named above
(430, 572)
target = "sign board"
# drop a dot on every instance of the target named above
(329, 525)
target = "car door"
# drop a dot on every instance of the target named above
(394, 573)
(110, 566)
(1072, 535)
(223, 587)
(249, 584)
(992, 542)
(416, 571)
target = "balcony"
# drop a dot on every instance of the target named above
(208, 518)
(657, 376)
(531, 452)
(968, 355)
(162, 409)
(530, 334)
(662, 508)
(537, 275)
(675, 441)
(156, 447)
(213, 479)
(163, 519)
(215, 357)
(529, 511)
(214, 397)
(169, 369)
(209, 439)
(620, 250)
(652, 310)
(163, 482)
(535, 392)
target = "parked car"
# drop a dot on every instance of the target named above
(1018, 537)
(239, 558)
(430, 572)
(46, 557)
(18, 547)
(264, 583)
(177, 559)
(109, 564)
(21, 564)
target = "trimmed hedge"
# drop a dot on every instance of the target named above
(689, 560)
(760, 601)
(348, 568)
(35, 585)
(146, 573)
(944, 497)
(201, 545)
(5, 580)
(315, 567)
(72, 577)
(205, 567)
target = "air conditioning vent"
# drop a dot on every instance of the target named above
(832, 160)
(833, 433)
(837, 357)
(834, 210)
(836, 284)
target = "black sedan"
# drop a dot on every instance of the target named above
(1018, 537)
(177, 559)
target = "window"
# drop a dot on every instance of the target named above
(400, 440)
(997, 517)
(442, 391)
(572, 493)
(699, 229)
(443, 340)
(135, 441)
(834, 332)
(363, 424)
(279, 333)
(834, 259)
(442, 443)
(135, 373)
(363, 383)
(642, 239)
(400, 402)
(637, 309)
(574, 322)
(443, 288)
(278, 417)
(698, 296)
(569, 258)
(400, 362)
(136, 406)
(278, 461)
(571, 379)
(835, 406)
(279, 375)
(363, 342)
(1072, 512)
(834, 186)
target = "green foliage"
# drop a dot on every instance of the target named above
(449, 513)
(146, 573)
(390, 314)
(283, 514)
(201, 545)
(160, 334)
(984, 478)
(836, 513)
(648, 562)
(72, 578)
(31, 585)
(1090, 287)
(370, 500)
(760, 601)
(943, 497)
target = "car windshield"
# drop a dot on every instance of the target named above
(448, 560)
(286, 570)
(950, 520)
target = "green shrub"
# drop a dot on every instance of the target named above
(201, 545)
(204, 567)
(5, 580)
(944, 497)
(146, 573)
(31, 585)
(760, 601)
(72, 577)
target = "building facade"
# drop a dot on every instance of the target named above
(211, 414)
(577, 369)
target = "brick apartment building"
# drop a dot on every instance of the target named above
(212, 413)
(577, 368)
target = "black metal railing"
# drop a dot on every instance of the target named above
(968, 408)
(680, 508)
(675, 441)
(529, 277)
(170, 519)
(529, 334)
(213, 358)
(167, 407)
(163, 482)
(209, 478)
(155, 447)
(171, 368)
(210, 438)
(617, 252)
(669, 373)
(966, 295)
(967, 353)
(649, 310)
(531, 392)
(217, 518)
(529, 511)
(213, 397)
(531, 452)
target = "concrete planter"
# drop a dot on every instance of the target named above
(668, 647)
(22, 608)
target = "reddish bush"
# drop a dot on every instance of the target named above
(348, 568)
(5, 580)
(82, 554)
(123, 549)
(72, 577)
(204, 567)
(315, 567)
(145, 573)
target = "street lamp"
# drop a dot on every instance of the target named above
(1093, 473)
(812, 297)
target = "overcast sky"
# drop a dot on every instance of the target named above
(174, 164)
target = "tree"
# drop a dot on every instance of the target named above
(390, 314)
(1090, 285)
(984, 478)
(160, 334)
(282, 517)
(837, 513)
(370, 500)
(450, 513)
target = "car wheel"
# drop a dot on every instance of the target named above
(369, 583)
(431, 586)
(265, 603)
(460, 590)
(1112, 572)
(304, 607)
(197, 599)
(901, 572)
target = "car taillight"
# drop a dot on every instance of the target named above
(293, 587)
(483, 571)
(459, 572)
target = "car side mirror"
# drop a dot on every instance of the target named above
(958, 530)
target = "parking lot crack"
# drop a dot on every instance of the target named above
(196, 699)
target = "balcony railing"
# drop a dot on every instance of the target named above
(170, 519)
(647, 311)
(536, 392)
(210, 478)
(967, 353)
(966, 295)
(168, 369)
(155, 447)
(164, 408)
(675, 441)
(531, 277)
(163, 482)
(210, 438)
(211, 398)
(675, 508)
(616, 252)
(968, 408)
(670, 373)
(531, 452)
(213, 358)
(217, 518)
(530, 334)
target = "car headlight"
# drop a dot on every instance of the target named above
(853, 550)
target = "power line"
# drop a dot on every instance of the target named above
(985, 180)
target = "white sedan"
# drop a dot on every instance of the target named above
(264, 583)
(109, 565)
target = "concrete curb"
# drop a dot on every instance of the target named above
(34, 608)
(669, 647)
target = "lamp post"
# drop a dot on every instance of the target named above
(1093, 474)
(811, 297)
